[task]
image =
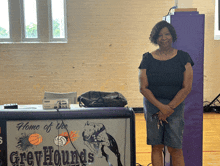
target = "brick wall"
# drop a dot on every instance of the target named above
(106, 40)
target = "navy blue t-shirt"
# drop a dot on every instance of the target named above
(165, 78)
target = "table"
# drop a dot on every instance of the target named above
(77, 136)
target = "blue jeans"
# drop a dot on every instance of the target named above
(170, 134)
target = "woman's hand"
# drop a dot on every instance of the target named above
(161, 116)
(166, 110)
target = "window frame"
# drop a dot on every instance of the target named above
(23, 33)
(44, 23)
(8, 40)
(217, 21)
(52, 39)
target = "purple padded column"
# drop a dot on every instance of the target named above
(189, 27)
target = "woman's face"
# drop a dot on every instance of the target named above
(165, 38)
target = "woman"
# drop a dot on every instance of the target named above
(165, 77)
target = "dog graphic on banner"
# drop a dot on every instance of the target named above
(97, 139)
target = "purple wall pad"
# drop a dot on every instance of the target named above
(189, 27)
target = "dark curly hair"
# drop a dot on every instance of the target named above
(157, 28)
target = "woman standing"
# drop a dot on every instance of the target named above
(165, 78)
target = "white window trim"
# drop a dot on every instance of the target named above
(24, 39)
(55, 40)
(216, 29)
(8, 40)
(44, 25)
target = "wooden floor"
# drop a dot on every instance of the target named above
(211, 140)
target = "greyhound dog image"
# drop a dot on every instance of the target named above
(96, 139)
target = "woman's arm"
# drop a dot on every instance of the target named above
(143, 86)
(187, 86)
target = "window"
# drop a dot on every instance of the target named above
(4, 21)
(217, 20)
(30, 19)
(33, 21)
(58, 20)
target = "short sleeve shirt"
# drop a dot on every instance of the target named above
(165, 78)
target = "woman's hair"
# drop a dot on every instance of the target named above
(157, 28)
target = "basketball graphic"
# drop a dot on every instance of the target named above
(35, 139)
(60, 140)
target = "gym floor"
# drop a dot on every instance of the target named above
(211, 140)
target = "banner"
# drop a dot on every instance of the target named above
(71, 142)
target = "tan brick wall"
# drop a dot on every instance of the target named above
(106, 40)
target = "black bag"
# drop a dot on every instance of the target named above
(102, 99)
